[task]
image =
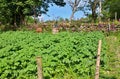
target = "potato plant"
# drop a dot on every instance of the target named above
(65, 55)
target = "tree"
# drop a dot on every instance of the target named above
(75, 6)
(14, 11)
(94, 4)
(112, 7)
(91, 8)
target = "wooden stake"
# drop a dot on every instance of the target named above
(39, 67)
(98, 61)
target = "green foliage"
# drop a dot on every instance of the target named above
(29, 19)
(90, 8)
(14, 12)
(112, 6)
(64, 55)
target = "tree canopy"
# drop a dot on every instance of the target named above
(75, 6)
(112, 7)
(91, 8)
(14, 11)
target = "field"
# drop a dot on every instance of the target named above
(65, 55)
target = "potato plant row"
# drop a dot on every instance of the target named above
(64, 55)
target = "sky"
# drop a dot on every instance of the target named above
(64, 12)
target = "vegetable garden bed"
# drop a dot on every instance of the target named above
(65, 55)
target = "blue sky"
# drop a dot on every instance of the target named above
(64, 12)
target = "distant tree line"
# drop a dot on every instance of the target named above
(13, 12)
(91, 8)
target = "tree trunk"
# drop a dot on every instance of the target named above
(15, 24)
(94, 15)
(72, 15)
(93, 7)
(22, 19)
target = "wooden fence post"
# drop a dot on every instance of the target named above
(39, 67)
(98, 61)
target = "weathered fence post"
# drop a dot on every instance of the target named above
(98, 61)
(39, 67)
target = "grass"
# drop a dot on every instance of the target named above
(113, 53)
